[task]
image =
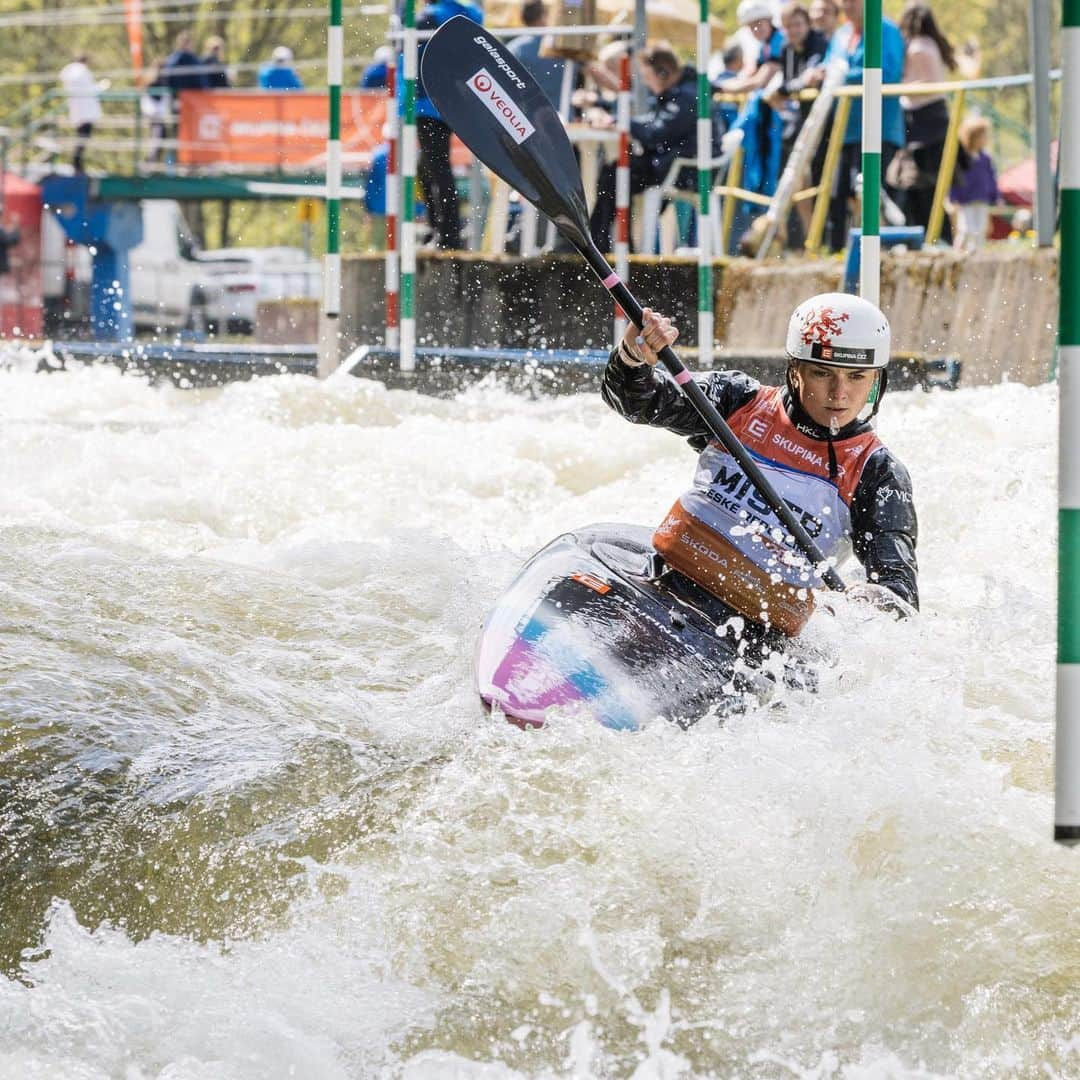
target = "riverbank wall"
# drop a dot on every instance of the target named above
(995, 310)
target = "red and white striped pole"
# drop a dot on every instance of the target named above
(622, 189)
(393, 198)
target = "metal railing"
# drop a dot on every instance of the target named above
(958, 90)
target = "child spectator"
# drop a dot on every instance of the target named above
(974, 188)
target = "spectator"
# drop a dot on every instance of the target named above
(377, 73)
(847, 44)
(433, 136)
(756, 17)
(824, 15)
(928, 56)
(548, 73)
(803, 51)
(731, 63)
(666, 131)
(84, 104)
(172, 71)
(974, 188)
(155, 106)
(213, 64)
(280, 74)
(597, 104)
(10, 236)
(181, 71)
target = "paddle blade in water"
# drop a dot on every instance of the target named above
(497, 110)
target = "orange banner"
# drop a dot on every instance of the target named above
(285, 130)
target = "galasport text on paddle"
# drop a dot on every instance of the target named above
(506, 120)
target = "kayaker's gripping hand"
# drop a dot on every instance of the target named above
(881, 598)
(643, 347)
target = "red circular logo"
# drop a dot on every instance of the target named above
(482, 83)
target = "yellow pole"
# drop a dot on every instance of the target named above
(828, 174)
(945, 173)
(734, 179)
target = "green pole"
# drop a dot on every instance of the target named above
(331, 308)
(704, 178)
(408, 193)
(1067, 744)
(870, 244)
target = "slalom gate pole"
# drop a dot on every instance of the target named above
(1067, 742)
(622, 189)
(393, 199)
(704, 179)
(408, 194)
(331, 308)
(870, 243)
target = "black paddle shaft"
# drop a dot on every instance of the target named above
(499, 112)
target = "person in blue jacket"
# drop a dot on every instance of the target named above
(377, 73)
(433, 135)
(847, 44)
(279, 74)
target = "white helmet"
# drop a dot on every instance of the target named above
(750, 11)
(839, 330)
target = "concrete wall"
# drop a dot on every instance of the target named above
(554, 302)
(996, 310)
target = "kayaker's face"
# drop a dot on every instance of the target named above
(833, 396)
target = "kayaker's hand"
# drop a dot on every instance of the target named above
(881, 598)
(644, 346)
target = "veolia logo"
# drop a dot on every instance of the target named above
(501, 106)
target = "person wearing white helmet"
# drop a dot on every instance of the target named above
(814, 440)
(762, 43)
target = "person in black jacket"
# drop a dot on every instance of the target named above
(814, 440)
(213, 63)
(666, 131)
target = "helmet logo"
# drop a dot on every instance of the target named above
(823, 325)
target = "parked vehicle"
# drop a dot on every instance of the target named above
(171, 288)
(244, 276)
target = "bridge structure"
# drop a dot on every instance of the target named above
(219, 145)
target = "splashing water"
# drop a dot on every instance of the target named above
(255, 823)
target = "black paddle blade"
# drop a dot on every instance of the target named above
(495, 107)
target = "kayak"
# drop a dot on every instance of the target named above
(596, 623)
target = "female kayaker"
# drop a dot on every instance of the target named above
(814, 440)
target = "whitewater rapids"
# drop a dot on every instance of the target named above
(255, 824)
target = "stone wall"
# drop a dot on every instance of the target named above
(996, 310)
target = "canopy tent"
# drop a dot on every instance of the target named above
(675, 20)
(1017, 185)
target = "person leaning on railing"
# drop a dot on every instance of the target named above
(928, 58)
(848, 44)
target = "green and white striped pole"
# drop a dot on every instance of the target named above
(407, 361)
(704, 179)
(1067, 745)
(870, 244)
(329, 335)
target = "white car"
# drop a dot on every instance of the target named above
(244, 276)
